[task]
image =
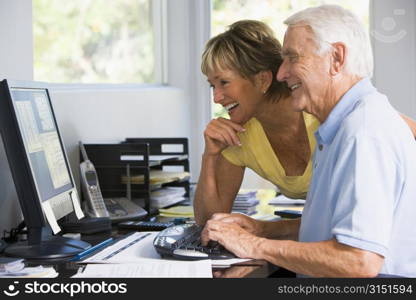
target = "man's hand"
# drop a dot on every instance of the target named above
(221, 133)
(248, 224)
(233, 237)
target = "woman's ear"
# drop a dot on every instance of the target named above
(339, 55)
(264, 80)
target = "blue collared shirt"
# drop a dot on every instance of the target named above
(363, 189)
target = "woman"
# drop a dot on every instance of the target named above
(263, 132)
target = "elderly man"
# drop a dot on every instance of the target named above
(358, 220)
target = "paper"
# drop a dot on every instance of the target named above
(138, 247)
(267, 217)
(55, 159)
(30, 132)
(283, 200)
(153, 157)
(32, 272)
(226, 263)
(8, 264)
(149, 269)
(177, 211)
(167, 196)
(50, 216)
(158, 177)
(165, 157)
(44, 112)
(135, 256)
(77, 207)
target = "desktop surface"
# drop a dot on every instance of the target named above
(249, 269)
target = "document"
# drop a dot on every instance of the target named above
(167, 196)
(149, 269)
(42, 105)
(283, 200)
(31, 272)
(50, 216)
(31, 133)
(55, 159)
(158, 177)
(177, 211)
(138, 248)
(75, 203)
(226, 263)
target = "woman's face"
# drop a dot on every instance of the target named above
(239, 96)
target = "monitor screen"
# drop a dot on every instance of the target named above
(43, 147)
(36, 154)
(42, 142)
(40, 169)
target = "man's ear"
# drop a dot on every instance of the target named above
(339, 56)
(264, 80)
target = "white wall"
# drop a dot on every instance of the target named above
(188, 31)
(16, 53)
(16, 62)
(108, 115)
(394, 39)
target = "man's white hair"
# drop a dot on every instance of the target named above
(331, 24)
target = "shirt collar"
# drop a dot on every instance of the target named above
(327, 131)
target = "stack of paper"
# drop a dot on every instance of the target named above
(283, 200)
(167, 196)
(158, 177)
(179, 211)
(245, 202)
(156, 268)
(135, 256)
(9, 264)
(31, 272)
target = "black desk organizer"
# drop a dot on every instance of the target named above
(111, 168)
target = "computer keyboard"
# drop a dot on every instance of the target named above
(184, 242)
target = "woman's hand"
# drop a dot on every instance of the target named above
(221, 133)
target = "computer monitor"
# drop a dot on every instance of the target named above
(40, 169)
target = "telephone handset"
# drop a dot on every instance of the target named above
(91, 188)
(118, 209)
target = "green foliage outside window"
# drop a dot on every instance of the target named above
(93, 41)
(272, 12)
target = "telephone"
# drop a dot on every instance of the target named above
(118, 209)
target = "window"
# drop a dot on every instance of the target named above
(95, 41)
(272, 12)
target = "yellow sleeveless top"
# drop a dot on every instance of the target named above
(257, 154)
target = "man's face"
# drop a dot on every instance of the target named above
(306, 73)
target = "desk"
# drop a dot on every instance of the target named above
(261, 269)
(252, 269)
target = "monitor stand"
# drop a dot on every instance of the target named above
(48, 248)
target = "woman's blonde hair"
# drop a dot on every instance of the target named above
(247, 47)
